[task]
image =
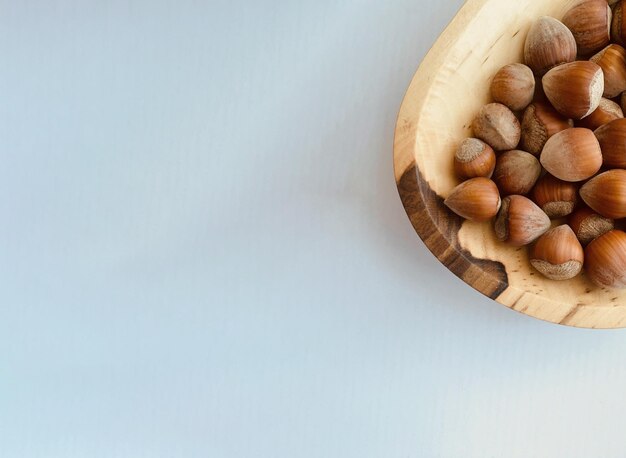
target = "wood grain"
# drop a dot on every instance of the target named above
(450, 86)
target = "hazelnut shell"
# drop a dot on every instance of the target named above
(606, 194)
(558, 254)
(605, 260)
(476, 199)
(520, 221)
(574, 89)
(572, 155)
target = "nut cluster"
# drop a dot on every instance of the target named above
(547, 163)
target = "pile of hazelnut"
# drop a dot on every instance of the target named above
(552, 146)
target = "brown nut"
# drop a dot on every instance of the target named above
(612, 61)
(572, 155)
(557, 198)
(606, 194)
(612, 138)
(558, 254)
(498, 126)
(520, 221)
(574, 89)
(618, 25)
(588, 225)
(590, 23)
(516, 172)
(476, 199)
(606, 112)
(514, 86)
(540, 122)
(549, 43)
(474, 158)
(605, 260)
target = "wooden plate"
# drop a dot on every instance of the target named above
(450, 86)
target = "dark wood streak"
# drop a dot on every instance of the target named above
(438, 228)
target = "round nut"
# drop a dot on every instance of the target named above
(540, 122)
(496, 125)
(588, 225)
(477, 199)
(549, 43)
(516, 172)
(574, 89)
(590, 23)
(612, 61)
(474, 158)
(606, 194)
(612, 139)
(572, 155)
(557, 198)
(558, 254)
(520, 221)
(513, 86)
(605, 260)
(606, 112)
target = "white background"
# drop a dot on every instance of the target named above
(203, 253)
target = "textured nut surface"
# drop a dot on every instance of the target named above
(612, 61)
(606, 194)
(558, 254)
(590, 23)
(588, 225)
(557, 198)
(496, 125)
(540, 122)
(612, 139)
(618, 25)
(513, 86)
(474, 158)
(520, 221)
(477, 199)
(572, 155)
(574, 89)
(549, 43)
(606, 112)
(605, 260)
(516, 172)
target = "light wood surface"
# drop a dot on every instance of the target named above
(450, 86)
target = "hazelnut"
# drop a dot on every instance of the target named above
(606, 194)
(557, 198)
(516, 172)
(618, 24)
(612, 138)
(605, 260)
(520, 221)
(549, 43)
(612, 61)
(474, 158)
(588, 225)
(558, 254)
(606, 112)
(476, 199)
(514, 86)
(574, 89)
(590, 23)
(572, 154)
(540, 122)
(498, 126)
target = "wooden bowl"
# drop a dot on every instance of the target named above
(450, 86)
